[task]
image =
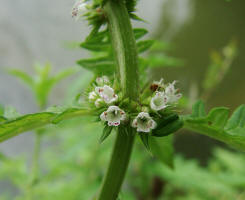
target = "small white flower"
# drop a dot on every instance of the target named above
(98, 102)
(159, 101)
(92, 96)
(159, 83)
(144, 123)
(107, 94)
(172, 93)
(113, 116)
(79, 9)
(102, 80)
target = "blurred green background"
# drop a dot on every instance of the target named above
(72, 161)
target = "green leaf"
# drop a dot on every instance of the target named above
(130, 4)
(236, 124)
(99, 46)
(135, 17)
(97, 41)
(169, 128)
(217, 125)
(159, 60)
(139, 33)
(145, 140)
(144, 45)
(162, 148)
(237, 119)
(99, 65)
(106, 132)
(218, 116)
(11, 128)
(165, 120)
(198, 110)
(22, 76)
(25, 123)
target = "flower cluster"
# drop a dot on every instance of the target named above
(79, 9)
(102, 92)
(164, 95)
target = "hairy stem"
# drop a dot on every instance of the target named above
(118, 164)
(125, 51)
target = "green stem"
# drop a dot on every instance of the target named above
(124, 46)
(35, 166)
(118, 164)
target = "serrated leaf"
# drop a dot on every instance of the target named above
(198, 109)
(217, 125)
(97, 41)
(99, 65)
(106, 132)
(218, 116)
(237, 119)
(145, 140)
(162, 148)
(144, 45)
(11, 128)
(159, 60)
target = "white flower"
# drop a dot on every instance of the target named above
(102, 80)
(172, 93)
(107, 94)
(79, 9)
(159, 101)
(113, 115)
(159, 83)
(144, 123)
(98, 102)
(92, 96)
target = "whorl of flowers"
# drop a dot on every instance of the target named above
(164, 95)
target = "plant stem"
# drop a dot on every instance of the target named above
(124, 46)
(125, 51)
(35, 166)
(118, 164)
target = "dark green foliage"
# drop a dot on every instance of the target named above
(169, 128)
(99, 65)
(106, 132)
